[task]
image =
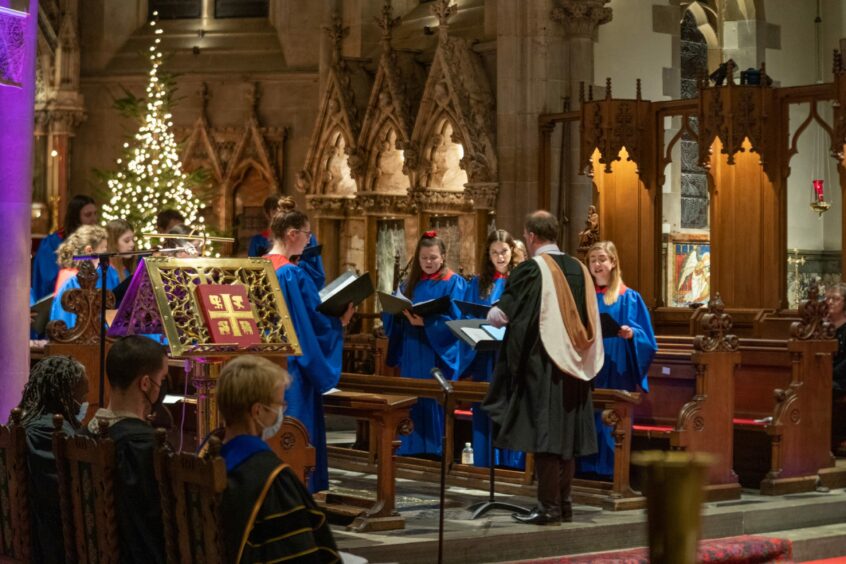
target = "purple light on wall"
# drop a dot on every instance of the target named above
(18, 36)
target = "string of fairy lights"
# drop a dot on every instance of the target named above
(152, 179)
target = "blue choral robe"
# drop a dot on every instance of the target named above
(45, 267)
(318, 370)
(313, 265)
(260, 244)
(480, 370)
(58, 312)
(626, 366)
(416, 350)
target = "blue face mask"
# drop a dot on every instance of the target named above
(83, 410)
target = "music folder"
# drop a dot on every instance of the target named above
(41, 309)
(610, 327)
(397, 304)
(310, 252)
(472, 309)
(345, 289)
(478, 334)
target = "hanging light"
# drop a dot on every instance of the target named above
(820, 162)
(818, 203)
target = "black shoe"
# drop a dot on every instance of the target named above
(538, 517)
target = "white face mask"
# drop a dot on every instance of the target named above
(83, 410)
(269, 432)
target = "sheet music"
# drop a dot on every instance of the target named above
(477, 334)
(497, 333)
(337, 285)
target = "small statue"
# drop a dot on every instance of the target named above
(590, 234)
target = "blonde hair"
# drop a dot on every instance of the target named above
(245, 381)
(612, 291)
(76, 242)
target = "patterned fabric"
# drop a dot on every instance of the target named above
(744, 549)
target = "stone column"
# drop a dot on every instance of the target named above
(581, 20)
(531, 69)
(330, 8)
(18, 36)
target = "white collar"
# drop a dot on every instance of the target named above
(550, 248)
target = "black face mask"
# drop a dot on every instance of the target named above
(159, 398)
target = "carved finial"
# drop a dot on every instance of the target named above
(715, 327)
(58, 422)
(608, 88)
(16, 416)
(443, 10)
(763, 72)
(581, 91)
(336, 32)
(637, 89)
(730, 66)
(814, 314)
(387, 22)
(252, 95)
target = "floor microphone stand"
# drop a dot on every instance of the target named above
(480, 508)
(444, 458)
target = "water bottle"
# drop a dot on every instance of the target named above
(467, 454)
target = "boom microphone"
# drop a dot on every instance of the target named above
(445, 384)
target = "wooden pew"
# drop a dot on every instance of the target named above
(293, 447)
(15, 539)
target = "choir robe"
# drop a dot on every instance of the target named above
(45, 267)
(416, 350)
(626, 367)
(313, 265)
(318, 370)
(260, 244)
(46, 519)
(480, 370)
(268, 515)
(58, 312)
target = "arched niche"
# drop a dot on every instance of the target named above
(336, 175)
(244, 200)
(386, 162)
(444, 155)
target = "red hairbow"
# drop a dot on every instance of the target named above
(430, 234)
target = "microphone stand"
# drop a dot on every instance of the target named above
(481, 507)
(447, 389)
(103, 266)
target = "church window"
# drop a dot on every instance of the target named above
(176, 9)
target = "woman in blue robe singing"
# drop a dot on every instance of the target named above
(417, 344)
(627, 354)
(485, 289)
(321, 337)
(87, 240)
(312, 264)
(82, 210)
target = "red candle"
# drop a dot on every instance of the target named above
(818, 188)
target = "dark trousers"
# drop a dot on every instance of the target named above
(555, 480)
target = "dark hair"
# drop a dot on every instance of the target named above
(72, 216)
(283, 221)
(116, 228)
(178, 229)
(50, 388)
(487, 270)
(416, 272)
(132, 357)
(165, 217)
(543, 224)
(270, 205)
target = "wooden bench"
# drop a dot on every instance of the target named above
(15, 539)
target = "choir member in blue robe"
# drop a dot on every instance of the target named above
(269, 516)
(88, 239)
(260, 243)
(627, 354)
(121, 240)
(418, 344)
(81, 211)
(486, 289)
(56, 385)
(318, 369)
(311, 264)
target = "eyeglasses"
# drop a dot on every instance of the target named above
(304, 232)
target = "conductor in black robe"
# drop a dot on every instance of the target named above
(269, 516)
(540, 393)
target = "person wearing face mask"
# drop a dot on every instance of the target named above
(137, 370)
(318, 369)
(57, 385)
(486, 289)
(269, 515)
(628, 354)
(417, 344)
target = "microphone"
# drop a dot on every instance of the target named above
(445, 384)
(187, 248)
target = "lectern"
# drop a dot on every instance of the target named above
(163, 299)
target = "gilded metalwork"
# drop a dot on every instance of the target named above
(164, 301)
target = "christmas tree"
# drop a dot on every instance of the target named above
(150, 176)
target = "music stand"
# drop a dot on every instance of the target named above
(487, 345)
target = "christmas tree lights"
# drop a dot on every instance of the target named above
(150, 178)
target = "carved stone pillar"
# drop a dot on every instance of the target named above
(18, 35)
(62, 127)
(581, 20)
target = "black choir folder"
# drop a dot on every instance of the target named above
(477, 333)
(395, 305)
(610, 327)
(474, 310)
(310, 252)
(41, 309)
(345, 289)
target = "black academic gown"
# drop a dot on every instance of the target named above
(271, 514)
(47, 539)
(139, 512)
(534, 406)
